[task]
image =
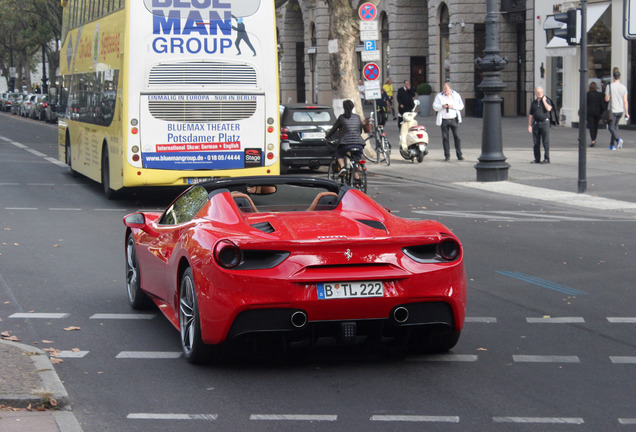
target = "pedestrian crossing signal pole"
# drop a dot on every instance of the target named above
(582, 183)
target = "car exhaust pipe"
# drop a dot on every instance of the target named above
(314, 164)
(299, 319)
(400, 314)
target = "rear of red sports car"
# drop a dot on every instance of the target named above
(355, 273)
(299, 258)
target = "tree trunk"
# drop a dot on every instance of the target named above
(345, 29)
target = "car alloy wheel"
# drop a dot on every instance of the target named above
(136, 297)
(194, 350)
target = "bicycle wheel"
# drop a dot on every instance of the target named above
(386, 149)
(361, 181)
(372, 144)
(332, 172)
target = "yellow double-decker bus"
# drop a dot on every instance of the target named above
(168, 92)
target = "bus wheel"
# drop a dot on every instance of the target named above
(108, 192)
(67, 156)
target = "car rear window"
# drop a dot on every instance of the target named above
(313, 116)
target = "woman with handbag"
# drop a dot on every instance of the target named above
(595, 107)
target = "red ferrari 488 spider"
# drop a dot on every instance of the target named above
(304, 258)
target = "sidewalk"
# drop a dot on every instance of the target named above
(27, 378)
(609, 174)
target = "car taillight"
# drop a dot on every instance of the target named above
(227, 254)
(448, 249)
(45, 105)
(284, 133)
(420, 136)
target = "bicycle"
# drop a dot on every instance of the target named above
(382, 145)
(355, 174)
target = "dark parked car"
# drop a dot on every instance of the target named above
(36, 111)
(50, 113)
(302, 135)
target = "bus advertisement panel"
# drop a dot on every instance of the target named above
(194, 95)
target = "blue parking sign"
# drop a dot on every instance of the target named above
(369, 45)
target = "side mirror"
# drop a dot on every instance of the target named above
(135, 220)
(417, 102)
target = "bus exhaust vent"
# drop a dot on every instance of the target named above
(202, 111)
(202, 74)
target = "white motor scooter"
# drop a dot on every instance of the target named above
(413, 137)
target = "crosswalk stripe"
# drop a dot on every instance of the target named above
(296, 417)
(415, 418)
(36, 315)
(543, 420)
(115, 316)
(151, 416)
(545, 359)
(148, 355)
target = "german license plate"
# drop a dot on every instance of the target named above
(340, 290)
(313, 135)
(195, 180)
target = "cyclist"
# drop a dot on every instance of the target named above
(349, 128)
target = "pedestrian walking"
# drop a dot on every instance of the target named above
(361, 91)
(539, 125)
(448, 104)
(595, 107)
(388, 88)
(616, 95)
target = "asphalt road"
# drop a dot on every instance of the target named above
(548, 345)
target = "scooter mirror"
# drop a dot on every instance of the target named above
(417, 102)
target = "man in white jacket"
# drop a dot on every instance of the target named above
(449, 105)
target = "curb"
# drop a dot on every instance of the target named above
(52, 387)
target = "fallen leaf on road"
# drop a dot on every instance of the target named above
(56, 361)
(11, 339)
(47, 341)
(5, 334)
(75, 350)
(72, 328)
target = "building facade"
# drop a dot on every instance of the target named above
(424, 41)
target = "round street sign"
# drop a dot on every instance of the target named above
(368, 12)
(371, 71)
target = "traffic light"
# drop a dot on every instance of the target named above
(570, 31)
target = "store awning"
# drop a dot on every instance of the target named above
(559, 47)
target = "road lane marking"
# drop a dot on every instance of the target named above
(542, 420)
(487, 320)
(35, 152)
(445, 358)
(149, 355)
(20, 208)
(64, 209)
(556, 320)
(542, 283)
(55, 161)
(545, 359)
(39, 315)
(622, 320)
(150, 416)
(627, 421)
(146, 316)
(415, 418)
(623, 359)
(295, 417)
(71, 354)
(40, 184)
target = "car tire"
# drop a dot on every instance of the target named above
(194, 350)
(432, 340)
(138, 299)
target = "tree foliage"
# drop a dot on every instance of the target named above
(27, 26)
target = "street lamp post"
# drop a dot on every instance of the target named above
(492, 164)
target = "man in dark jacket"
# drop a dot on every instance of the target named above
(539, 125)
(405, 100)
